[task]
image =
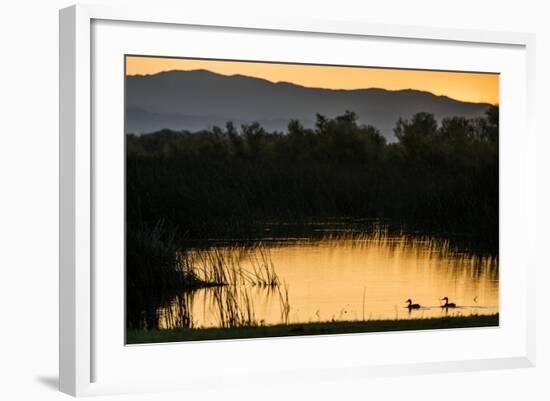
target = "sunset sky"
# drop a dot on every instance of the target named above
(471, 87)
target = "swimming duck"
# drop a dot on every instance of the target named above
(447, 304)
(411, 305)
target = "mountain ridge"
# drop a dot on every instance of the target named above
(198, 99)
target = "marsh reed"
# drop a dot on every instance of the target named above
(233, 265)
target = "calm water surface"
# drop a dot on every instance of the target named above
(350, 277)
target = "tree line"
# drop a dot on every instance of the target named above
(226, 181)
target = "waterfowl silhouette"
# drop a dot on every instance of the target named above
(447, 304)
(411, 305)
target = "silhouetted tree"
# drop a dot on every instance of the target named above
(222, 181)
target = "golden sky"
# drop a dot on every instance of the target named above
(470, 87)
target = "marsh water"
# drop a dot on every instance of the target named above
(338, 274)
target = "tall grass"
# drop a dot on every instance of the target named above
(219, 184)
(235, 265)
(162, 275)
(263, 270)
(153, 260)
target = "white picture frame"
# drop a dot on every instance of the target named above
(82, 344)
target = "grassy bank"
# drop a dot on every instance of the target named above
(370, 326)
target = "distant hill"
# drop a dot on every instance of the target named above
(195, 100)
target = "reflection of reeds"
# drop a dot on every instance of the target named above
(234, 307)
(284, 303)
(178, 312)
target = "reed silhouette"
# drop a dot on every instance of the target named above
(218, 183)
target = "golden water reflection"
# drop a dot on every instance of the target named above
(350, 278)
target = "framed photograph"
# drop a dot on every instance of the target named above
(292, 199)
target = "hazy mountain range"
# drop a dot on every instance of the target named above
(196, 100)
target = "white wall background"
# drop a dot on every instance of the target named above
(29, 200)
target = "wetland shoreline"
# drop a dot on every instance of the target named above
(305, 329)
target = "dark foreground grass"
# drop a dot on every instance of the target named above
(370, 326)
